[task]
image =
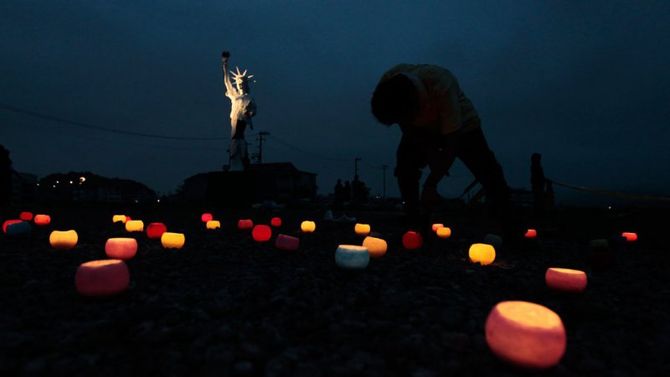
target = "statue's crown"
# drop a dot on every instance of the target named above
(240, 77)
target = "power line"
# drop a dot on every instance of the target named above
(90, 126)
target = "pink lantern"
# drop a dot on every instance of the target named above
(121, 248)
(102, 277)
(284, 242)
(565, 279)
(245, 224)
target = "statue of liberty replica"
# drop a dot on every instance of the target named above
(243, 108)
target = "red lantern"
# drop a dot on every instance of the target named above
(531, 233)
(284, 242)
(261, 233)
(156, 230)
(8, 223)
(121, 248)
(42, 220)
(412, 240)
(102, 277)
(205, 217)
(245, 224)
(276, 222)
(26, 216)
(629, 236)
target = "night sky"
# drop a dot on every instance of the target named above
(587, 84)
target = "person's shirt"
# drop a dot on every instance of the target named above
(445, 109)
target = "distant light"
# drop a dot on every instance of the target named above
(53, 186)
(158, 200)
(57, 182)
(71, 182)
(38, 185)
(136, 201)
(82, 180)
(609, 207)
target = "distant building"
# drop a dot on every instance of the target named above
(92, 188)
(281, 182)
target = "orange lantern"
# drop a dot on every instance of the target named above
(26, 216)
(308, 226)
(352, 257)
(7, 223)
(121, 248)
(102, 277)
(245, 224)
(213, 224)
(156, 230)
(205, 217)
(482, 253)
(284, 242)
(119, 219)
(362, 229)
(63, 240)
(565, 279)
(42, 220)
(376, 246)
(135, 226)
(531, 233)
(412, 240)
(276, 222)
(525, 334)
(173, 240)
(436, 226)
(629, 236)
(443, 232)
(261, 233)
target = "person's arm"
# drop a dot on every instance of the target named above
(230, 89)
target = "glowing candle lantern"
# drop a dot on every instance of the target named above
(245, 224)
(121, 248)
(352, 257)
(63, 240)
(531, 233)
(443, 232)
(376, 246)
(7, 223)
(285, 242)
(213, 224)
(436, 226)
(135, 226)
(22, 228)
(261, 233)
(173, 240)
(156, 230)
(102, 277)
(42, 220)
(362, 229)
(119, 219)
(412, 240)
(565, 279)
(276, 222)
(629, 236)
(482, 253)
(525, 334)
(308, 226)
(205, 217)
(26, 216)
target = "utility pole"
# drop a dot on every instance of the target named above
(384, 181)
(261, 138)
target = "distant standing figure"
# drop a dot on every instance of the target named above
(438, 124)
(243, 108)
(5, 177)
(538, 183)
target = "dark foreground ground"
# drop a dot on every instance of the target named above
(225, 305)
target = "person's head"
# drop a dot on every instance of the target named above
(396, 100)
(535, 158)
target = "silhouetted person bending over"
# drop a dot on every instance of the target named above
(438, 123)
(5, 177)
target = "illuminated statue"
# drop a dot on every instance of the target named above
(243, 108)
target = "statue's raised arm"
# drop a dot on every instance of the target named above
(230, 89)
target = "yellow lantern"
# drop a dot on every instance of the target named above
(135, 226)
(525, 334)
(376, 246)
(308, 226)
(362, 229)
(119, 218)
(213, 224)
(437, 226)
(482, 253)
(63, 240)
(173, 240)
(443, 232)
